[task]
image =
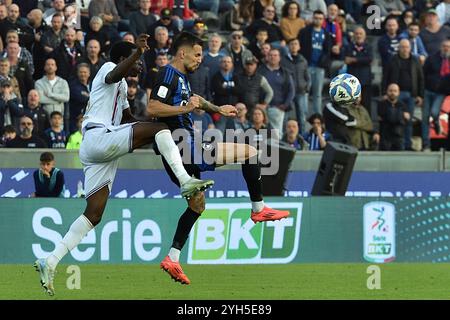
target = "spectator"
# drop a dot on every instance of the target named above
(256, 45)
(223, 87)
(434, 33)
(315, 45)
(261, 127)
(334, 30)
(79, 95)
(388, 43)
(107, 11)
(57, 8)
(9, 105)
(97, 32)
(200, 29)
(52, 38)
(48, 180)
(93, 58)
(259, 7)
(213, 6)
(292, 136)
(143, 19)
(162, 45)
(24, 54)
(308, 8)
(212, 56)
(265, 50)
(71, 17)
(53, 90)
(75, 138)
(19, 69)
(150, 77)
(68, 55)
(253, 88)
(39, 27)
(13, 22)
(201, 120)
(56, 136)
(390, 7)
(238, 124)
(268, 23)
(360, 133)
(406, 71)
(405, 20)
(298, 65)
(137, 99)
(35, 112)
(242, 14)
(4, 75)
(281, 82)
(317, 136)
(358, 58)
(167, 21)
(128, 36)
(26, 139)
(8, 134)
(291, 23)
(392, 115)
(237, 51)
(436, 68)
(417, 47)
(200, 82)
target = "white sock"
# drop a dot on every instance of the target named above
(257, 206)
(170, 151)
(79, 228)
(174, 254)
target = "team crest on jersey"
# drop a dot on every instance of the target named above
(183, 86)
(162, 92)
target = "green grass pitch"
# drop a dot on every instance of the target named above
(293, 281)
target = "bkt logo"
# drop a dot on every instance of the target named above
(225, 235)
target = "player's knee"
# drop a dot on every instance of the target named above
(197, 203)
(250, 151)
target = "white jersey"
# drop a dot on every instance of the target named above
(107, 101)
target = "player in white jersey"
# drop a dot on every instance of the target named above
(109, 132)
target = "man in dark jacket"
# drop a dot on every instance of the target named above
(298, 65)
(315, 45)
(393, 115)
(36, 112)
(79, 95)
(436, 70)
(358, 57)
(405, 70)
(8, 102)
(68, 55)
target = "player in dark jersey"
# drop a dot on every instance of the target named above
(171, 101)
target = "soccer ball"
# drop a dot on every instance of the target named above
(345, 89)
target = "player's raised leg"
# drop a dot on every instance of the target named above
(80, 227)
(145, 132)
(247, 155)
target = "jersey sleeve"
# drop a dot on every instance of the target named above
(104, 70)
(163, 86)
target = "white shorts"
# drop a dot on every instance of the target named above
(100, 151)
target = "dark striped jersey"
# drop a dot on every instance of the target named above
(172, 87)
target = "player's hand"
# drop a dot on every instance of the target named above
(141, 42)
(194, 103)
(228, 110)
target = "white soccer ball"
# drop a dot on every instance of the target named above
(345, 88)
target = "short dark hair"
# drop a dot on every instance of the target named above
(185, 39)
(315, 116)
(121, 49)
(414, 23)
(46, 157)
(318, 12)
(55, 113)
(293, 39)
(285, 9)
(262, 30)
(9, 129)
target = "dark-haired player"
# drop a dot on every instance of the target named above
(109, 132)
(169, 100)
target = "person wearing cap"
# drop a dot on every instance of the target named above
(9, 104)
(142, 19)
(434, 33)
(237, 51)
(200, 30)
(166, 21)
(254, 89)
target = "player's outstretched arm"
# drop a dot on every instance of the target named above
(121, 70)
(158, 109)
(225, 110)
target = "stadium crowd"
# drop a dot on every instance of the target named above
(271, 59)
